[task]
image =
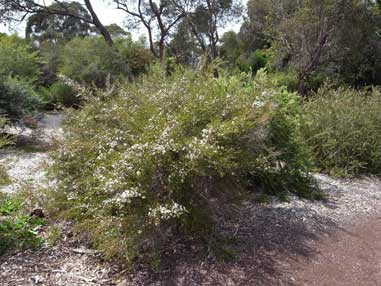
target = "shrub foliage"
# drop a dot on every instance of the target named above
(60, 95)
(152, 158)
(18, 97)
(19, 71)
(17, 58)
(91, 61)
(343, 128)
(17, 228)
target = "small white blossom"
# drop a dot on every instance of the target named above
(165, 212)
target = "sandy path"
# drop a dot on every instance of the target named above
(351, 257)
(26, 169)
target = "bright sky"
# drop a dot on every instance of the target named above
(107, 14)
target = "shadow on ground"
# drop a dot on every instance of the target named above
(268, 241)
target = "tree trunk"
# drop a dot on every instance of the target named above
(302, 90)
(161, 50)
(97, 23)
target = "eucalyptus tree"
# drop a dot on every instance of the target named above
(43, 26)
(208, 18)
(183, 45)
(315, 39)
(19, 10)
(158, 18)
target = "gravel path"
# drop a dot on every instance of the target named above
(350, 257)
(348, 200)
(25, 169)
(54, 266)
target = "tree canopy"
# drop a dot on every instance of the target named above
(45, 26)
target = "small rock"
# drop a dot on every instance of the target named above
(37, 213)
(37, 279)
(123, 283)
(30, 122)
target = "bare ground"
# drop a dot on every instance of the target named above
(351, 257)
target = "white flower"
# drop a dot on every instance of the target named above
(125, 197)
(165, 212)
(258, 103)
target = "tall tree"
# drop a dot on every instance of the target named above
(208, 18)
(157, 17)
(116, 31)
(253, 34)
(183, 45)
(11, 10)
(316, 38)
(43, 26)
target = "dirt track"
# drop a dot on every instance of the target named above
(350, 257)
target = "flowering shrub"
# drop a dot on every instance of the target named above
(152, 158)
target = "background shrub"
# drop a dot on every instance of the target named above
(19, 71)
(90, 60)
(343, 128)
(162, 155)
(17, 228)
(17, 59)
(60, 95)
(136, 54)
(252, 62)
(18, 97)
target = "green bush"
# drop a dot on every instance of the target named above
(60, 95)
(252, 62)
(286, 78)
(17, 228)
(19, 70)
(90, 60)
(17, 59)
(343, 128)
(164, 154)
(136, 54)
(17, 97)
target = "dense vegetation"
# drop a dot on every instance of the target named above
(18, 231)
(166, 129)
(30, 76)
(343, 128)
(155, 153)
